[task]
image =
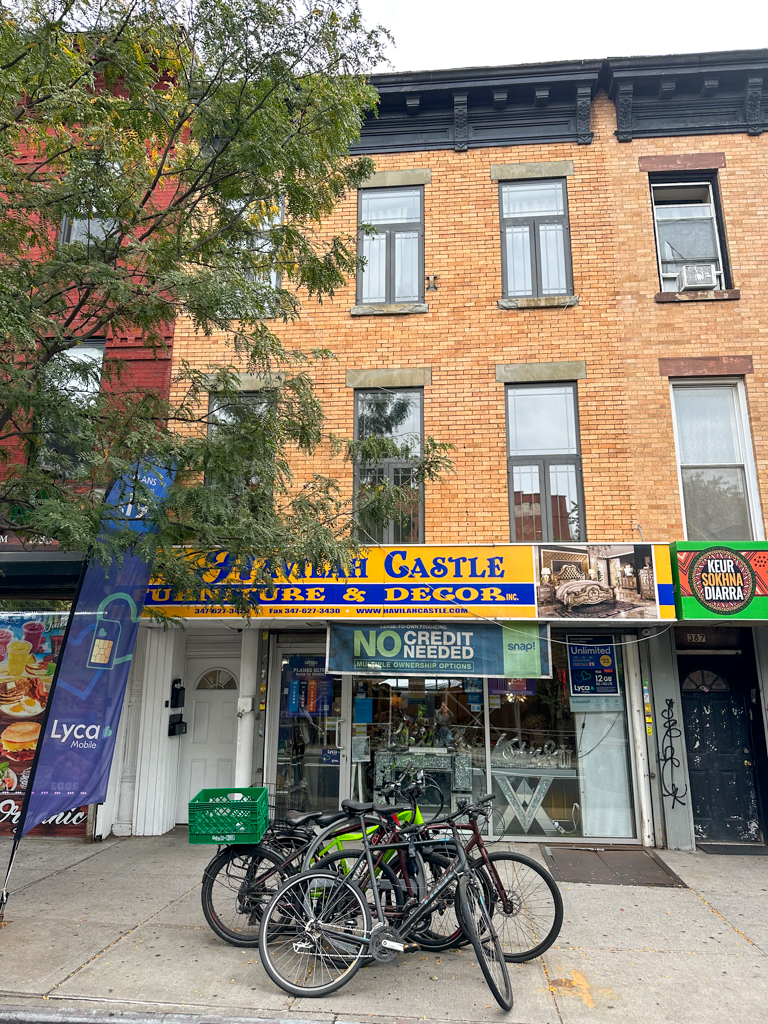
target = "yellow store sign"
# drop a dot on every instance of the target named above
(502, 581)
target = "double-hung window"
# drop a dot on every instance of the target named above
(544, 463)
(231, 418)
(76, 375)
(394, 255)
(535, 243)
(396, 416)
(688, 233)
(714, 453)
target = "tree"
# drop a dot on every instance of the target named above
(151, 169)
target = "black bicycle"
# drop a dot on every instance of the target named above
(322, 925)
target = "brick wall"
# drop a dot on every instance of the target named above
(629, 466)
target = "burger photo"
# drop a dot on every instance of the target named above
(19, 741)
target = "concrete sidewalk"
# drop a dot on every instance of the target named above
(116, 927)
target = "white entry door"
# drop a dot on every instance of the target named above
(207, 754)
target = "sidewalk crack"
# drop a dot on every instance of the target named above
(551, 988)
(119, 939)
(69, 867)
(726, 921)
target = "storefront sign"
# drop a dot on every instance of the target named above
(593, 679)
(30, 644)
(80, 725)
(721, 581)
(503, 581)
(444, 648)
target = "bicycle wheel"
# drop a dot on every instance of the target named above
(390, 891)
(314, 933)
(441, 929)
(477, 923)
(237, 886)
(529, 915)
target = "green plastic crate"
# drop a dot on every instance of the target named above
(229, 815)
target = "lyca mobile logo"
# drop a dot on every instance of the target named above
(722, 580)
(82, 736)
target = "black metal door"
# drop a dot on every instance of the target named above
(720, 756)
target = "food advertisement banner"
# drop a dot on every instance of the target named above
(587, 582)
(721, 581)
(30, 644)
(517, 651)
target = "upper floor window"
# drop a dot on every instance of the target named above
(84, 229)
(227, 416)
(544, 463)
(397, 416)
(689, 242)
(535, 242)
(394, 255)
(714, 453)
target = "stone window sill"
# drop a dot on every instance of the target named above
(390, 309)
(726, 296)
(545, 302)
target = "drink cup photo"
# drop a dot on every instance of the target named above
(5, 638)
(18, 652)
(56, 641)
(33, 633)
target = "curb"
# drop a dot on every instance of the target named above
(26, 1015)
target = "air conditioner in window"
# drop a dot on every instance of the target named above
(697, 277)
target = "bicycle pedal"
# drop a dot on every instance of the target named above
(411, 947)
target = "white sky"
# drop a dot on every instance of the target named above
(470, 33)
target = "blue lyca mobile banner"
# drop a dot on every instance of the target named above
(519, 651)
(83, 711)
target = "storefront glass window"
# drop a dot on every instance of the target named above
(434, 724)
(558, 772)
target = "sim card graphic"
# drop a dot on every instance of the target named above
(106, 638)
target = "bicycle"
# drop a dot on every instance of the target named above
(318, 928)
(240, 880)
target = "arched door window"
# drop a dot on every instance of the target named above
(217, 679)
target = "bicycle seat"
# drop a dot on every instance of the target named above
(329, 817)
(294, 818)
(353, 807)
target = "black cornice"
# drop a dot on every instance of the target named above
(471, 107)
(466, 108)
(688, 94)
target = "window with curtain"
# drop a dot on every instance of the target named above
(394, 255)
(535, 243)
(715, 459)
(687, 230)
(395, 415)
(544, 464)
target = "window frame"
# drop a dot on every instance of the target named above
(543, 463)
(533, 222)
(389, 230)
(745, 441)
(683, 180)
(389, 465)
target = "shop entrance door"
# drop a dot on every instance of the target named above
(308, 730)
(207, 751)
(721, 746)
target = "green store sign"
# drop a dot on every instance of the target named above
(721, 581)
